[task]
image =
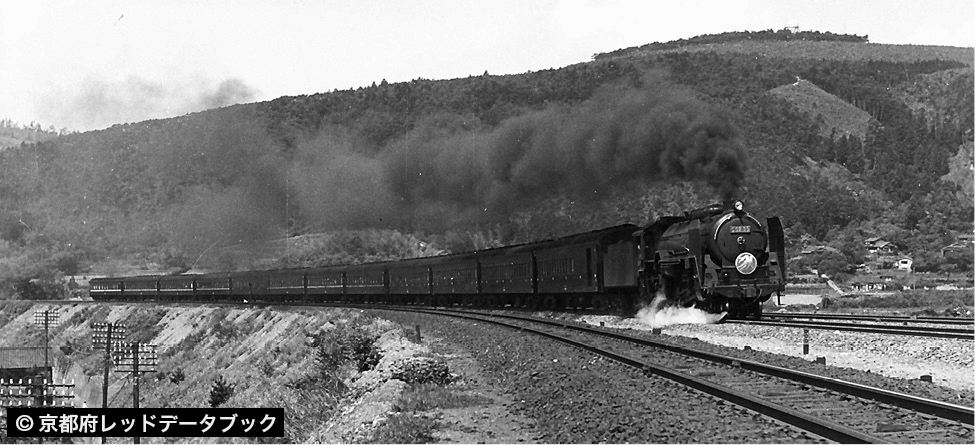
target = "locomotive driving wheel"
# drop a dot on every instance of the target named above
(490, 301)
(755, 310)
(599, 303)
(550, 302)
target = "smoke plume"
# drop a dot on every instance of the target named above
(451, 172)
(98, 103)
(338, 187)
(621, 137)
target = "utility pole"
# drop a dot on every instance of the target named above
(137, 358)
(104, 336)
(47, 317)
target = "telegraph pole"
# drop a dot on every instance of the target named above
(137, 358)
(47, 317)
(104, 336)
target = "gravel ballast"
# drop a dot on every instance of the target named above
(577, 397)
(894, 362)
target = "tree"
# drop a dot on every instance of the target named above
(832, 264)
(960, 172)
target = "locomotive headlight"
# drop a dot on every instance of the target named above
(746, 263)
(739, 206)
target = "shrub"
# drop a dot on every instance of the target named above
(422, 370)
(364, 353)
(177, 376)
(225, 331)
(265, 367)
(346, 344)
(220, 392)
(68, 347)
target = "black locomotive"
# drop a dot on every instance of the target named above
(718, 258)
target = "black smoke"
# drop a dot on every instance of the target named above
(621, 137)
(452, 172)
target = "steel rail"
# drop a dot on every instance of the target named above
(917, 331)
(878, 318)
(933, 407)
(937, 408)
(812, 424)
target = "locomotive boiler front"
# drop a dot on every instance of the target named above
(738, 239)
(746, 262)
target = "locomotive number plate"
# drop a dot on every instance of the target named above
(741, 229)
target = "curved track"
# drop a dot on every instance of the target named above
(835, 409)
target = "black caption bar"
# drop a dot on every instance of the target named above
(145, 422)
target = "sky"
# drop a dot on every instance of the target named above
(82, 65)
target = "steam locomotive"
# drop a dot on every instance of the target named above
(718, 258)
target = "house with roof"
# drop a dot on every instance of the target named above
(904, 264)
(962, 246)
(23, 363)
(809, 250)
(879, 246)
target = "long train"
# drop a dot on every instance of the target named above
(718, 258)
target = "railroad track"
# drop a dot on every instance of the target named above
(831, 408)
(873, 318)
(864, 325)
(834, 409)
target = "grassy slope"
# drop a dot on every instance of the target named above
(269, 355)
(836, 113)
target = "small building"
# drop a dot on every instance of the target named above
(904, 264)
(869, 286)
(956, 249)
(962, 246)
(878, 246)
(809, 250)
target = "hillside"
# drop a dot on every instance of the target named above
(13, 134)
(489, 160)
(839, 118)
(316, 364)
(802, 45)
(935, 97)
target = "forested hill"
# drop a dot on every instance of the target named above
(13, 134)
(799, 45)
(487, 160)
